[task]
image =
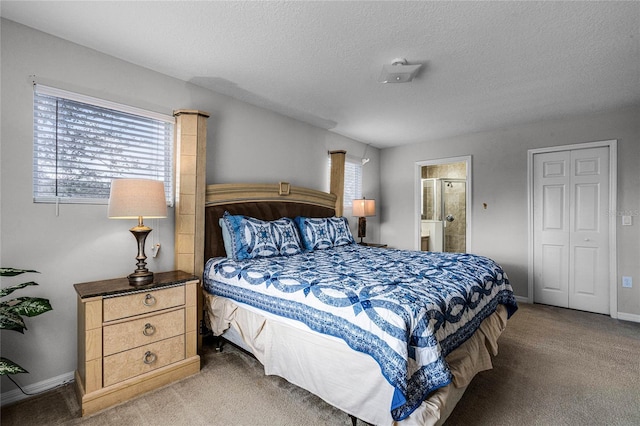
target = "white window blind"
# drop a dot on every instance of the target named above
(81, 143)
(352, 180)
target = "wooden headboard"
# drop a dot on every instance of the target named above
(262, 201)
(193, 194)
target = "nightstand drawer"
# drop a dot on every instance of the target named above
(133, 333)
(142, 303)
(134, 362)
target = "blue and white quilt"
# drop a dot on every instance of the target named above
(406, 309)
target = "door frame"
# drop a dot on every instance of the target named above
(418, 196)
(613, 185)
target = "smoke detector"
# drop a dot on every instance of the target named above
(398, 72)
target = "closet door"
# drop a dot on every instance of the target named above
(589, 256)
(571, 234)
(551, 227)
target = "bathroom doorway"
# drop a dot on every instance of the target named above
(443, 205)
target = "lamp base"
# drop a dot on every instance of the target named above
(362, 228)
(140, 278)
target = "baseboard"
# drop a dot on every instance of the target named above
(15, 395)
(628, 317)
(522, 299)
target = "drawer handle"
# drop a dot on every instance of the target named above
(149, 358)
(148, 330)
(149, 300)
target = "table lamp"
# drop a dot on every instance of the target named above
(363, 208)
(135, 199)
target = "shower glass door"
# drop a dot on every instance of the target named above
(444, 207)
(454, 208)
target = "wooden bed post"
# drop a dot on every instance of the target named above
(337, 178)
(190, 174)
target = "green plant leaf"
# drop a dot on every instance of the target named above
(29, 306)
(9, 367)
(12, 272)
(10, 320)
(11, 312)
(6, 291)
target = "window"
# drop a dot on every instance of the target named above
(80, 144)
(352, 180)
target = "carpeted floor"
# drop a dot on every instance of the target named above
(555, 367)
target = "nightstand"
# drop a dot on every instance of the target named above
(134, 339)
(424, 243)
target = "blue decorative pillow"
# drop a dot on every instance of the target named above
(339, 231)
(324, 232)
(314, 233)
(286, 235)
(226, 238)
(249, 237)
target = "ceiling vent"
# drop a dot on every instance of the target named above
(398, 72)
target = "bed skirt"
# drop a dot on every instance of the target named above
(327, 367)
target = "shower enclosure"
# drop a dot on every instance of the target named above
(444, 224)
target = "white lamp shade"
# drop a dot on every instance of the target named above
(134, 198)
(364, 207)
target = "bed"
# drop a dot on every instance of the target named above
(387, 336)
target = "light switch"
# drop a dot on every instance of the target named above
(626, 221)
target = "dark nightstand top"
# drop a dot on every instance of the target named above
(121, 285)
(373, 245)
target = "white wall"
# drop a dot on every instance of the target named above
(300, 158)
(499, 171)
(245, 144)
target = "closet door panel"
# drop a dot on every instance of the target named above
(589, 260)
(551, 228)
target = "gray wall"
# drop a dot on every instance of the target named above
(499, 173)
(245, 144)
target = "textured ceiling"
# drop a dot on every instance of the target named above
(487, 65)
